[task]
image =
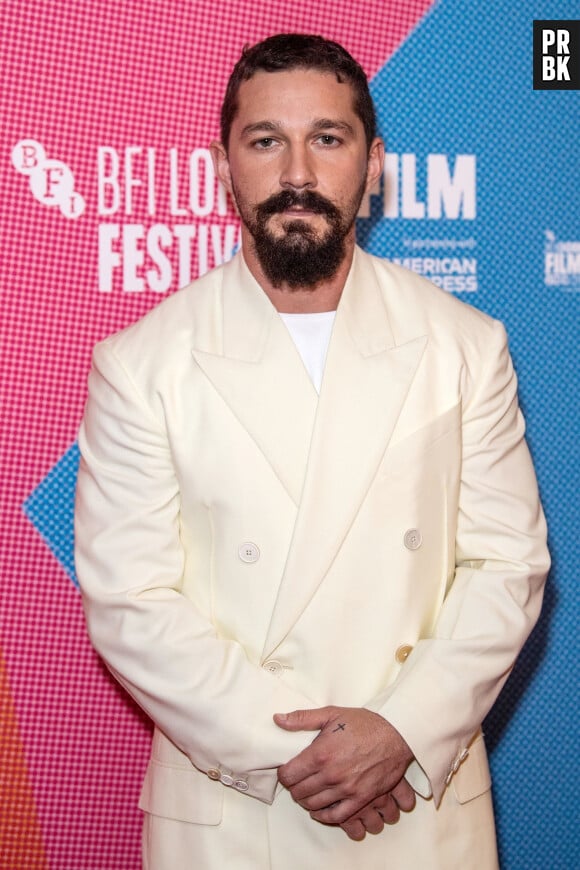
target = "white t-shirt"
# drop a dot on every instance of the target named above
(311, 335)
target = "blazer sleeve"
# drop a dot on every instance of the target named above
(200, 690)
(451, 679)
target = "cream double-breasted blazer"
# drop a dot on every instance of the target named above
(246, 547)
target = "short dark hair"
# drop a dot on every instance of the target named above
(287, 51)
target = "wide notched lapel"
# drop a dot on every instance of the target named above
(366, 380)
(251, 360)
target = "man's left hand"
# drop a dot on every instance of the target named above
(356, 757)
(383, 810)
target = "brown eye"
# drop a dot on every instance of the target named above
(328, 139)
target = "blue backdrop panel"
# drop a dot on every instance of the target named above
(462, 84)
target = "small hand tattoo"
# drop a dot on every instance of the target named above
(340, 727)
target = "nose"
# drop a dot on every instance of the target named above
(297, 171)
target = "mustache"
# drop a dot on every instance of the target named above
(307, 199)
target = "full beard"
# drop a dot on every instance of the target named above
(300, 258)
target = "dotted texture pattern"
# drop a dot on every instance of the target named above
(454, 78)
(77, 76)
(463, 85)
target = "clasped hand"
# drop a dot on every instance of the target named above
(352, 774)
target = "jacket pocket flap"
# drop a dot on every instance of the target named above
(181, 794)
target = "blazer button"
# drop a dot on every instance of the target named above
(403, 652)
(214, 773)
(249, 552)
(241, 785)
(413, 539)
(273, 666)
(226, 779)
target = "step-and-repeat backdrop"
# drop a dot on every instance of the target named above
(109, 203)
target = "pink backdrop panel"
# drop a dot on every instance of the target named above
(83, 79)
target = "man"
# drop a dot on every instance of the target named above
(308, 530)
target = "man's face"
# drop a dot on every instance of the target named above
(297, 166)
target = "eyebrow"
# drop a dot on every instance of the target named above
(318, 125)
(259, 126)
(333, 124)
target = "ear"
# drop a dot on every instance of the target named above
(375, 162)
(221, 165)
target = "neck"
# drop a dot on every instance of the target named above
(323, 296)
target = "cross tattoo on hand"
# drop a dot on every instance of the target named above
(339, 727)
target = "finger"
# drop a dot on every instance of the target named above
(388, 809)
(320, 801)
(404, 796)
(317, 783)
(372, 820)
(338, 812)
(311, 762)
(354, 828)
(303, 720)
(306, 769)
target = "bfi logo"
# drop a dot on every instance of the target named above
(556, 55)
(51, 181)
